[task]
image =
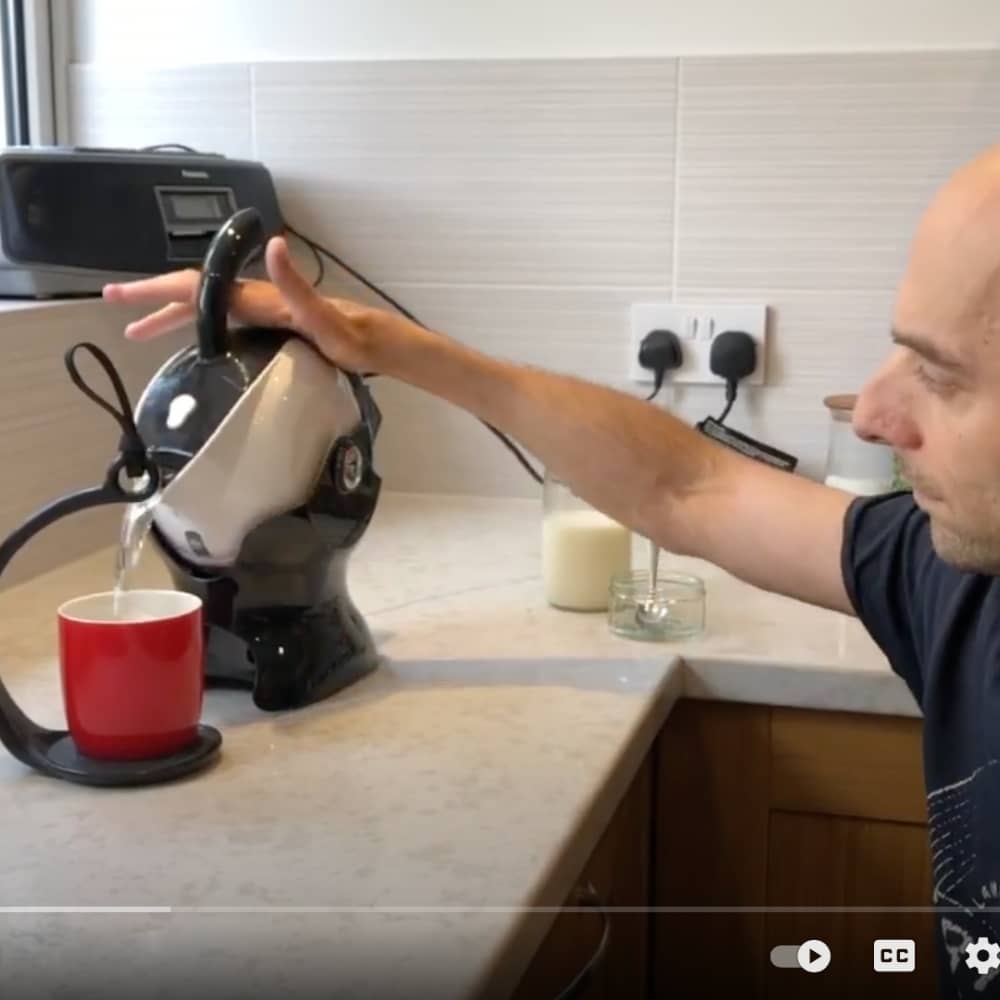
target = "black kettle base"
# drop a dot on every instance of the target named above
(64, 760)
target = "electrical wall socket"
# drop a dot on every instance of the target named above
(695, 326)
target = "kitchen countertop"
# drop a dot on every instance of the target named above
(388, 841)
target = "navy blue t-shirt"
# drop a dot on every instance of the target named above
(940, 629)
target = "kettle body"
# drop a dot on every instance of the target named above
(243, 445)
(265, 452)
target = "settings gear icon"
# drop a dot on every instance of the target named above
(982, 955)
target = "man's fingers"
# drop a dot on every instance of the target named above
(302, 298)
(162, 321)
(176, 286)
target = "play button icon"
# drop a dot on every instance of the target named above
(813, 955)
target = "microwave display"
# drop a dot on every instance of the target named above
(196, 206)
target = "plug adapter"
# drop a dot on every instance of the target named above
(660, 352)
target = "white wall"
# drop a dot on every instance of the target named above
(522, 206)
(186, 31)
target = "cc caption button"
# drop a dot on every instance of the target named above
(895, 955)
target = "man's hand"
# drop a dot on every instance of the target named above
(352, 336)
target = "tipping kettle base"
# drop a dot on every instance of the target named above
(279, 617)
(288, 654)
(295, 655)
(69, 763)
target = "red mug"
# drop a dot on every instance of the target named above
(132, 672)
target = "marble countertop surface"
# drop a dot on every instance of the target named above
(390, 841)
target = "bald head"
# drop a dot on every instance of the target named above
(953, 276)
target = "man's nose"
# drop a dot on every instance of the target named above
(866, 417)
(882, 416)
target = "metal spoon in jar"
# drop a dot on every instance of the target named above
(650, 611)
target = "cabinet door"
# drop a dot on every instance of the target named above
(618, 870)
(710, 852)
(775, 826)
(846, 764)
(847, 836)
(819, 868)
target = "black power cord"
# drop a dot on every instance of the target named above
(319, 251)
(179, 146)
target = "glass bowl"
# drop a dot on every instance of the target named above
(676, 610)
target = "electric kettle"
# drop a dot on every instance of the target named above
(265, 454)
(257, 454)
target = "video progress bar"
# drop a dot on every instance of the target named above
(485, 909)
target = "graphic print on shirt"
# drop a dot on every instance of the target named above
(955, 812)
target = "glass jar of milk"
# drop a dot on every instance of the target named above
(853, 464)
(582, 549)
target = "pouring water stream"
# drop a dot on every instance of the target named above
(136, 522)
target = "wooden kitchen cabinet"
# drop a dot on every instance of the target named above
(619, 870)
(760, 808)
(750, 827)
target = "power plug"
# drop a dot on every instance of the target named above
(733, 357)
(660, 352)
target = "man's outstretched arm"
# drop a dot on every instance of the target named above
(645, 467)
(628, 458)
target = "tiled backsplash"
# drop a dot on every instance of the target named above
(800, 181)
(521, 206)
(205, 107)
(515, 174)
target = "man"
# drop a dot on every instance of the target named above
(917, 570)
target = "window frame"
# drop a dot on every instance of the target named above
(35, 47)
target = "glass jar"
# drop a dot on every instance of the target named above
(853, 464)
(674, 610)
(582, 549)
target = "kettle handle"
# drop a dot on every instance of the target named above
(227, 255)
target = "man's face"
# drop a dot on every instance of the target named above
(936, 400)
